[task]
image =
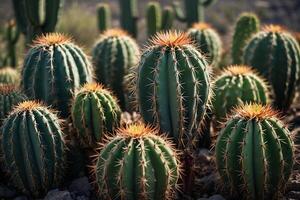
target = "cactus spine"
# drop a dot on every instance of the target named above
(11, 37)
(129, 16)
(194, 11)
(235, 86)
(33, 148)
(9, 75)
(208, 41)
(246, 25)
(104, 17)
(53, 69)
(114, 54)
(36, 17)
(173, 86)
(94, 112)
(254, 153)
(276, 55)
(137, 164)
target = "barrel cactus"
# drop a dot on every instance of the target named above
(276, 55)
(94, 112)
(114, 55)
(173, 86)
(10, 96)
(53, 70)
(33, 148)
(208, 42)
(9, 75)
(254, 153)
(137, 164)
(237, 85)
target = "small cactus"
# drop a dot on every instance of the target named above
(254, 153)
(129, 16)
(104, 17)
(9, 75)
(237, 85)
(94, 112)
(33, 148)
(12, 34)
(275, 54)
(114, 55)
(137, 164)
(208, 42)
(53, 70)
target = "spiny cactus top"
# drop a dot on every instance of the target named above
(173, 85)
(254, 153)
(9, 75)
(53, 69)
(208, 42)
(236, 85)
(33, 148)
(114, 54)
(137, 164)
(276, 55)
(95, 112)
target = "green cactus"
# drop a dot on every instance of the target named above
(275, 54)
(33, 148)
(9, 75)
(94, 112)
(194, 10)
(208, 42)
(104, 17)
(254, 153)
(11, 37)
(10, 96)
(129, 16)
(235, 86)
(137, 164)
(157, 19)
(53, 69)
(36, 17)
(246, 25)
(173, 86)
(114, 54)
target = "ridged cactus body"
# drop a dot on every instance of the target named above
(129, 16)
(208, 42)
(173, 86)
(12, 34)
(114, 55)
(53, 70)
(246, 25)
(235, 86)
(104, 17)
(9, 75)
(254, 153)
(275, 54)
(33, 148)
(95, 112)
(137, 164)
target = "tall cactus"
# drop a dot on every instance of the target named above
(137, 164)
(246, 25)
(9, 75)
(129, 16)
(173, 86)
(11, 38)
(114, 55)
(53, 70)
(276, 55)
(235, 86)
(33, 148)
(254, 153)
(36, 17)
(208, 42)
(194, 10)
(104, 17)
(94, 112)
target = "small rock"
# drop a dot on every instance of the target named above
(81, 187)
(216, 197)
(6, 192)
(82, 198)
(21, 198)
(58, 195)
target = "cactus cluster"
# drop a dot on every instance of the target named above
(137, 164)
(54, 68)
(9, 75)
(33, 148)
(115, 54)
(254, 153)
(275, 54)
(104, 17)
(95, 112)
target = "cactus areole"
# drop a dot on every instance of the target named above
(254, 153)
(173, 85)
